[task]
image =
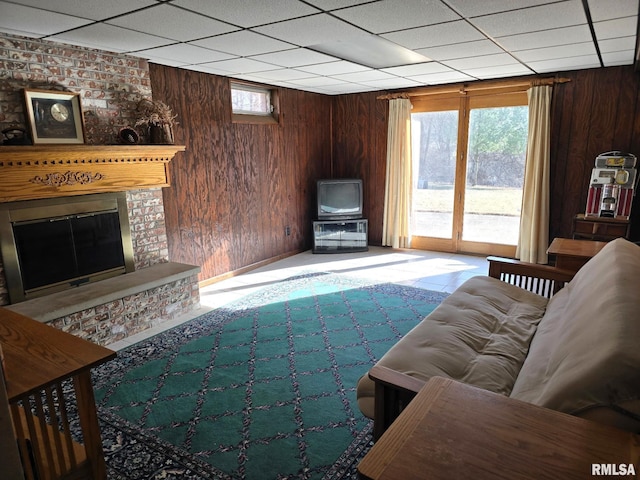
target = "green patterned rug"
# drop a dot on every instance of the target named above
(261, 389)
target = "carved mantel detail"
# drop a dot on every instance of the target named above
(45, 171)
(57, 179)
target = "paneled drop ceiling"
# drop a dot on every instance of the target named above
(343, 46)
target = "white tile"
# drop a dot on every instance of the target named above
(185, 53)
(312, 30)
(297, 57)
(483, 61)
(610, 9)
(243, 43)
(562, 64)
(249, 13)
(562, 14)
(28, 21)
(333, 68)
(110, 38)
(82, 8)
(549, 53)
(498, 71)
(417, 69)
(442, 78)
(476, 8)
(461, 50)
(546, 38)
(621, 27)
(435, 35)
(391, 15)
(184, 25)
(240, 65)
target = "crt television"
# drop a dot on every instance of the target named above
(339, 199)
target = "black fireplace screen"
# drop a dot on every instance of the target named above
(68, 249)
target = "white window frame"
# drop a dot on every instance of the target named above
(268, 115)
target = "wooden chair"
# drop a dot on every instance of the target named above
(48, 385)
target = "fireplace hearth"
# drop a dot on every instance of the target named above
(55, 244)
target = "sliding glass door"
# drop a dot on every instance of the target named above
(469, 155)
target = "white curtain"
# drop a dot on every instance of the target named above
(534, 220)
(399, 181)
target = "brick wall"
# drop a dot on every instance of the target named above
(148, 233)
(110, 85)
(113, 321)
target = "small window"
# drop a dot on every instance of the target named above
(253, 103)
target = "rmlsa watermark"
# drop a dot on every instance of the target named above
(619, 469)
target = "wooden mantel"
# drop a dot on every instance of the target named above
(45, 171)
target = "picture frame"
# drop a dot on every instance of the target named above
(54, 116)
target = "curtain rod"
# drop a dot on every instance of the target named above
(462, 89)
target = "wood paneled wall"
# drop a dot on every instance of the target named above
(238, 186)
(360, 151)
(598, 111)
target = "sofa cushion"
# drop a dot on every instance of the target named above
(479, 335)
(585, 353)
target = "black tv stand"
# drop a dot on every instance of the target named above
(340, 236)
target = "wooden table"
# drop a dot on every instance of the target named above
(37, 359)
(454, 431)
(573, 254)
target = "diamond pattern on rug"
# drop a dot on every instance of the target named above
(264, 388)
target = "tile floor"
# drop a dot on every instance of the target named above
(422, 269)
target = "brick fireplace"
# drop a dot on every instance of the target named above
(107, 310)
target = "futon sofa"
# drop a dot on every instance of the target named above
(531, 332)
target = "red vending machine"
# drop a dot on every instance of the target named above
(612, 186)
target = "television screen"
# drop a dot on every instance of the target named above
(339, 199)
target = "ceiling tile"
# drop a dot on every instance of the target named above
(546, 38)
(243, 43)
(563, 51)
(241, 65)
(297, 57)
(418, 69)
(435, 35)
(562, 14)
(391, 83)
(249, 13)
(32, 22)
(498, 71)
(365, 76)
(110, 38)
(611, 59)
(461, 50)
(312, 30)
(186, 53)
(334, 4)
(621, 27)
(610, 9)
(284, 74)
(82, 8)
(474, 9)
(563, 64)
(184, 25)
(480, 62)
(316, 81)
(391, 15)
(333, 68)
(444, 77)
(617, 44)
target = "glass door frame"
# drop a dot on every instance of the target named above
(464, 101)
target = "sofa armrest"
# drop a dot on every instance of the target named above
(543, 280)
(394, 390)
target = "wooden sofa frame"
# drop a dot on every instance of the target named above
(394, 390)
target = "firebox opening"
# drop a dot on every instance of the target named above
(53, 245)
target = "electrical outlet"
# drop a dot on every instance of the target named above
(287, 230)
